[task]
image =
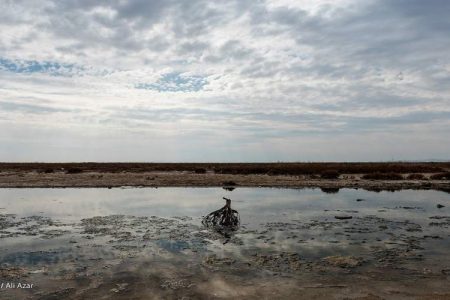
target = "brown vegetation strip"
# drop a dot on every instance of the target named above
(235, 168)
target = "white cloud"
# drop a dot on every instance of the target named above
(229, 74)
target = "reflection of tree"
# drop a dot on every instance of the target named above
(330, 190)
(228, 188)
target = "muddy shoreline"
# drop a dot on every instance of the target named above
(189, 179)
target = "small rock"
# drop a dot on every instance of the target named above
(432, 237)
(343, 217)
(440, 206)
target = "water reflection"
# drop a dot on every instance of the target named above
(229, 188)
(159, 238)
(330, 190)
(384, 228)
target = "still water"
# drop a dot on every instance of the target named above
(86, 238)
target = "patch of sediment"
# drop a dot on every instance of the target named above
(188, 179)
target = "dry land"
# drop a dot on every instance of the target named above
(328, 176)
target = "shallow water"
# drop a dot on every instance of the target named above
(86, 238)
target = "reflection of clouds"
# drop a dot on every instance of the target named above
(272, 220)
(255, 205)
(34, 258)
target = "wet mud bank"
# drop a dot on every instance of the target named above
(189, 179)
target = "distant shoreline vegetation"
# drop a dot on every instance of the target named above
(326, 169)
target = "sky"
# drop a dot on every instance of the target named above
(230, 81)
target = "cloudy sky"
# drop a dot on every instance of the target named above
(235, 80)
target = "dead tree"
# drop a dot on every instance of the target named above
(226, 217)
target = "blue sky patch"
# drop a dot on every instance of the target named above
(175, 82)
(33, 66)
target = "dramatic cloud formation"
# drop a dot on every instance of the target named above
(242, 80)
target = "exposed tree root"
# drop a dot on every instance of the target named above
(222, 219)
